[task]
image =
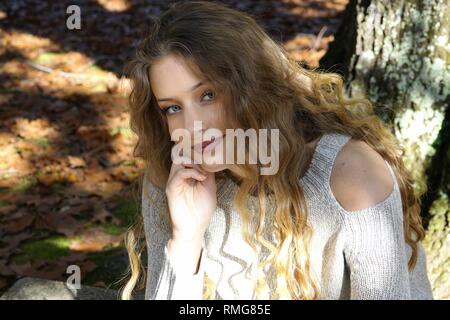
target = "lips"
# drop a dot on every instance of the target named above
(202, 146)
(213, 142)
(206, 143)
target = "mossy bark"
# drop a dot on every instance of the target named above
(396, 53)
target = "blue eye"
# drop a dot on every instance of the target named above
(208, 91)
(168, 111)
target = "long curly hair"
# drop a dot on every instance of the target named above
(264, 89)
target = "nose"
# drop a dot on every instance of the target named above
(193, 122)
(191, 113)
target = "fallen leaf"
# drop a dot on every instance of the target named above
(76, 162)
(17, 224)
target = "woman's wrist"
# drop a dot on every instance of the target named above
(188, 240)
(185, 254)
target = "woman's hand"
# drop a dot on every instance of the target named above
(192, 199)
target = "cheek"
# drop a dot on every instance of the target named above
(216, 117)
(173, 125)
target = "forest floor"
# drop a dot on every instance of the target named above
(67, 172)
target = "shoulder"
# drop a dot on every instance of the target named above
(360, 177)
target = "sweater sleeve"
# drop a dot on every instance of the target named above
(375, 252)
(163, 281)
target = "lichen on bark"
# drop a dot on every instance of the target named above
(397, 54)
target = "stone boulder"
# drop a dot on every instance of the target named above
(42, 289)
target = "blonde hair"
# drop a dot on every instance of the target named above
(264, 88)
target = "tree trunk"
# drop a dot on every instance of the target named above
(396, 53)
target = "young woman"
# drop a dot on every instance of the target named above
(337, 220)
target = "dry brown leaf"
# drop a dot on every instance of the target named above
(76, 162)
(63, 223)
(17, 224)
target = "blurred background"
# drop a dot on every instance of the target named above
(67, 171)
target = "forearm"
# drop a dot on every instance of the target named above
(185, 255)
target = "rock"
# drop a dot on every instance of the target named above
(42, 289)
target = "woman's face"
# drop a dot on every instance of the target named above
(184, 98)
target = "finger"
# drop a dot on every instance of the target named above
(186, 162)
(186, 165)
(180, 163)
(197, 167)
(191, 174)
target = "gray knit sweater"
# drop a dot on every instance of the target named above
(355, 255)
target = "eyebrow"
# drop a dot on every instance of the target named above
(192, 89)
